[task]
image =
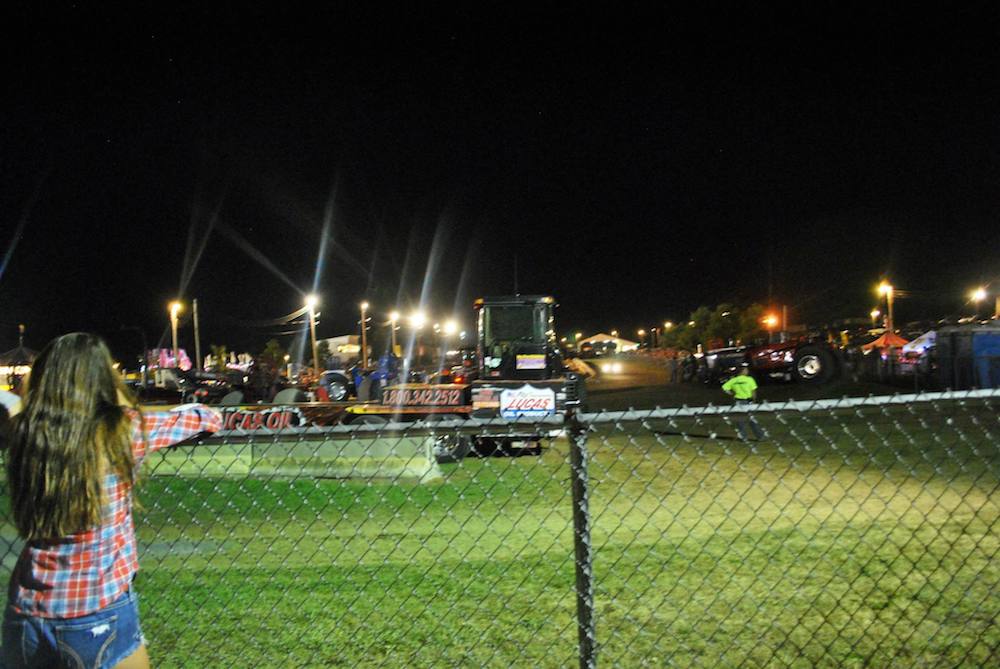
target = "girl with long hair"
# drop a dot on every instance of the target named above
(72, 452)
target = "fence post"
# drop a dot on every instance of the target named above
(582, 547)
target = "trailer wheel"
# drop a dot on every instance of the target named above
(484, 446)
(449, 447)
(812, 364)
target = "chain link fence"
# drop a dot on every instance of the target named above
(859, 532)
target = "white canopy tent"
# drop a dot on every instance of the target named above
(621, 345)
(921, 343)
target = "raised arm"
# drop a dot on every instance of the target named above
(166, 428)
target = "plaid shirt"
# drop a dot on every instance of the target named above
(72, 576)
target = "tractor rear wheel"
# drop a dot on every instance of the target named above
(813, 364)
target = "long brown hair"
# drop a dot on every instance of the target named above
(71, 432)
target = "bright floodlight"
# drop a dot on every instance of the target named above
(875, 313)
(311, 301)
(364, 306)
(450, 327)
(668, 324)
(418, 319)
(175, 307)
(394, 316)
(979, 294)
(885, 288)
(770, 320)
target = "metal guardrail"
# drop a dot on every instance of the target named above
(858, 532)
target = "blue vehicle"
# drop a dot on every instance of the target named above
(356, 382)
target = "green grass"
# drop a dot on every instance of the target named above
(850, 539)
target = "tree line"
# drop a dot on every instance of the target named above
(727, 324)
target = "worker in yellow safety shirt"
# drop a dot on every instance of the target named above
(743, 389)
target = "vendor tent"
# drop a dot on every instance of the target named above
(620, 345)
(921, 343)
(18, 357)
(14, 364)
(888, 340)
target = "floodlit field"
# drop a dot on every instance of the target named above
(848, 539)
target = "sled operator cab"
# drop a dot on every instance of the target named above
(516, 338)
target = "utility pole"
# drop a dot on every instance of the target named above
(197, 337)
(175, 308)
(311, 304)
(364, 336)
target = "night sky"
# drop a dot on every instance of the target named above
(634, 164)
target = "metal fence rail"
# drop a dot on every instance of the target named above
(860, 532)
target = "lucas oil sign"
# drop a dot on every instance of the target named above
(527, 401)
(275, 418)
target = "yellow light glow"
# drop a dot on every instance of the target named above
(771, 321)
(885, 288)
(641, 332)
(364, 306)
(394, 316)
(875, 313)
(668, 324)
(175, 308)
(312, 301)
(614, 333)
(418, 319)
(450, 327)
(979, 294)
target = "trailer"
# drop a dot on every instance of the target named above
(520, 389)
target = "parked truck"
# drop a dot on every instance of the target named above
(520, 375)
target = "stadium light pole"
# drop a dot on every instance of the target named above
(311, 302)
(393, 317)
(175, 308)
(885, 288)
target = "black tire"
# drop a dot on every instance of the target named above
(484, 446)
(813, 364)
(449, 447)
(368, 419)
(338, 389)
(365, 389)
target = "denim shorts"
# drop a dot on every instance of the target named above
(94, 641)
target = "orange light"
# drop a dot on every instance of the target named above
(770, 321)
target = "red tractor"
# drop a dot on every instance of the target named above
(805, 360)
